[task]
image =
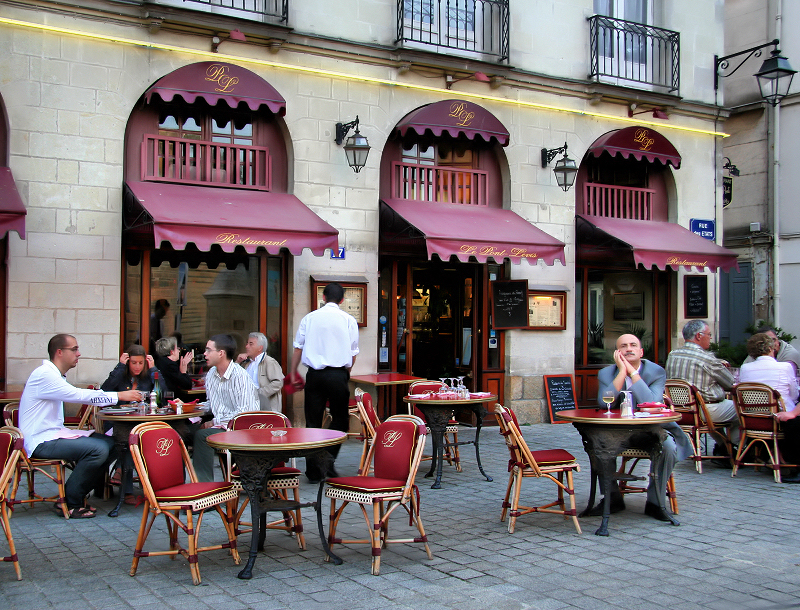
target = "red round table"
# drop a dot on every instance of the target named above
(605, 435)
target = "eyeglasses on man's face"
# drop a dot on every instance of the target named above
(72, 349)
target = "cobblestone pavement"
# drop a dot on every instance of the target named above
(736, 547)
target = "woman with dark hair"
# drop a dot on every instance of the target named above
(135, 371)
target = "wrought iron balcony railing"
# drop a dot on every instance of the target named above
(629, 52)
(185, 161)
(617, 201)
(473, 26)
(443, 184)
(267, 11)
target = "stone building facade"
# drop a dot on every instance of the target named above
(80, 91)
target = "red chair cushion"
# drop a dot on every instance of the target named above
(552, 457)
(367, 484)
(190, 491)
(283, 470)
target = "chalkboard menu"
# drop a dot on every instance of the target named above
(695, 293)
(510, 304)
(560, 391)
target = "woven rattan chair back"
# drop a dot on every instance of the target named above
(756, 405)
(696, 422)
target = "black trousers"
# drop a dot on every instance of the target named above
(326, 387)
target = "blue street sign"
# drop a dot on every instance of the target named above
(703, 228)
(339, 254)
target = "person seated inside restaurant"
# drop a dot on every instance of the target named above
(695, 364)
(264, 370)
(41, 419)
(784, 352)
(135, 371)
(173, 368)
(645, 380)
(765, 368)
(230, 391)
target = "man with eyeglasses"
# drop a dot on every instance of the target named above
(712, 377)
(41, 419)
(230, 391)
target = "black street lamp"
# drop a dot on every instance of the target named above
(356, 149)
(565, 168)
(774, 77)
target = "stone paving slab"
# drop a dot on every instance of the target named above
(737, 547)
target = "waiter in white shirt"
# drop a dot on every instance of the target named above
(41, 419)
(327, 343)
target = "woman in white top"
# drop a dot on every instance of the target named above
(765, 369)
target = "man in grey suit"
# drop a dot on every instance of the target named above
(645, 380)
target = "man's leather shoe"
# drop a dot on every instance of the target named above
(656, 512)
(616, 507)
(794, 479)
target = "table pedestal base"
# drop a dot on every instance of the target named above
(437, 418)
(603, 443)
(254, 472)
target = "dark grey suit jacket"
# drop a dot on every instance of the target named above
(649, 388)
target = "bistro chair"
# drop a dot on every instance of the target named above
(451, 453)
(161, 459)
(553, 464)
(757, 404)
(695, 421)
(369, 422)
(633, 456)
(281, 480)
(395, 457)
(10, 454)
(84, 419)
(55, 470)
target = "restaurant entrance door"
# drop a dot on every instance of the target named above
(434, 322)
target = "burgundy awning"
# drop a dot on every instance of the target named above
(216, 81)
(639, 142)
(12, 210)
(663, 244)
(467, 230)
(455, 117)
(183, 214)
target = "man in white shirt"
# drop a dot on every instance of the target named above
(230, 391)
(327, 343)
(265, 371)
(41, 419)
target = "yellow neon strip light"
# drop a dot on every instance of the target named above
(352, 77)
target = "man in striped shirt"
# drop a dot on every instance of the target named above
(230, 391)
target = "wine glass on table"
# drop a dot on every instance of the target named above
(608, 397)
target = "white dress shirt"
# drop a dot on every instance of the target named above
(229, 394)
(777, 375)
(328, 338)
(252, 368)
(41, 408)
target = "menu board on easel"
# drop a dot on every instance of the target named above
(510, 304)
(695, 296)
(560, 392)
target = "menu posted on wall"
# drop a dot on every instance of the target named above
(695, 296)
(560, 392)
(510, 304)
